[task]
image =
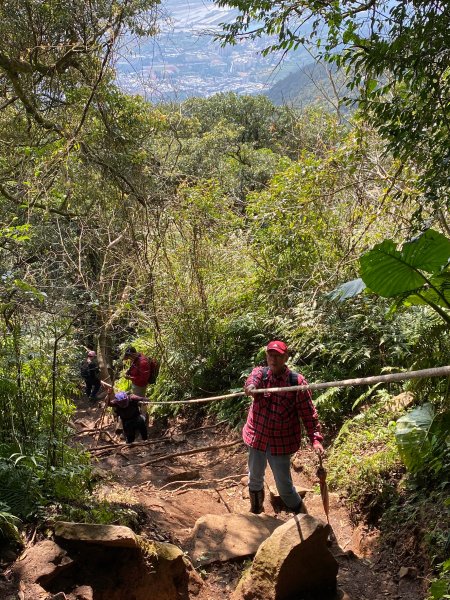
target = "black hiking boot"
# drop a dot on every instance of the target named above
(300, 509)
(256, 501)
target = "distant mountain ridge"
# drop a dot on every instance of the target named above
(313, 83)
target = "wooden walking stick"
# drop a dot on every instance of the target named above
(102, 416)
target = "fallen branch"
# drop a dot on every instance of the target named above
(223, 500)
(188, 452)
(109, 436)
(89, 431)
(205, 427)
(30, 542)
(183, 489)
(101, 449)
(101, 423)
(98, 423)
(203, 481)
(187, 490)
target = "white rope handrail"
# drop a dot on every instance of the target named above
(435, 372)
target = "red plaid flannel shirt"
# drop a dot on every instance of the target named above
(274, 418)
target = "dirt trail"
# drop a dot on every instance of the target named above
(170, 506)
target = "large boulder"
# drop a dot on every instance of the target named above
(88, 567)
(275, 499)
(38, 566)
(105, 535)
(226, 537)
(294, 560)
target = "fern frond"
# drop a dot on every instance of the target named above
(9, 524)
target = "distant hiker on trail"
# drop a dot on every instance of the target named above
(272, 431)
(126, 406)
(90, 372)
(142, 372)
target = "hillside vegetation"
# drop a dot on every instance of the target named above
(311, 84)
(197, 231)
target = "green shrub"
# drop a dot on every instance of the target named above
(28, 483)
(9, 525)
(440, 587)
(101, 513)
(20, 487)
(365, 464)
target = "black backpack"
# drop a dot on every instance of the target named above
(293, 376)
(89, 369)
(154, 370)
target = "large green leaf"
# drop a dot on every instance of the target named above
(390, 272)
(412, 435)
(438, 294)
(428, 252)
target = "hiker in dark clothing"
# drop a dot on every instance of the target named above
(90, 372)
(126, 406)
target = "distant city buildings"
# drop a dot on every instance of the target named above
(184, 60)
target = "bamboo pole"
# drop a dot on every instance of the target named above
(435, 372)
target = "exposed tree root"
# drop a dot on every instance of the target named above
(223, 500)
(103, 450)
(205, 427)
(188, 452)
(189, 483)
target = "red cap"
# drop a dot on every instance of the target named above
(277, 346)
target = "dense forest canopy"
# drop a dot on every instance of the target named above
(199, 230)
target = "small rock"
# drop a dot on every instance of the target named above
(99, 473)
(58, 596)
(183, 476)
(410, 572)
(277, 502)
(84, 592)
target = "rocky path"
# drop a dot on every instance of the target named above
(172, 492)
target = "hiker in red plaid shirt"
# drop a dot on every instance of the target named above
(272, 431)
